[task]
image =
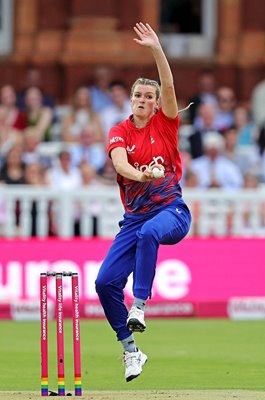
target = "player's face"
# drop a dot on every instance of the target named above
(143, 101)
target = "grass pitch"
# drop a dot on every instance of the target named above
(184, 354)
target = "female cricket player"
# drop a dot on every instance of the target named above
(144, 152)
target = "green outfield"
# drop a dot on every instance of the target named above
(183, 354)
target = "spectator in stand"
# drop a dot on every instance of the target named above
(225, 108)
(257, 104)
(247, 130)
(62, 175)
(88, 149)
(12, 120)
(99, 91)
(119, 110)
(213, 169)
(30, 146)
(80, 116)
(261, 139)
(33, 78)
(107, 174)
(262, 174)
(39, 117)
(88, 176)
(206, 93)
(204, 122)
(258, 111)
(246, 161)
(31, 152)
(191, 179)
(12, 171)
(34, 176)
(250, 181)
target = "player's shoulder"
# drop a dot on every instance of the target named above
(121, 127)
(162, 116)
(118, 134)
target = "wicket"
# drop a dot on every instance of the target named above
(60, 332)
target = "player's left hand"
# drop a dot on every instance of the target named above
(148, 175)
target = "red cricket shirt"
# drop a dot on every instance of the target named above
(156, 143)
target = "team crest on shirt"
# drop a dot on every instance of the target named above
(130, 150)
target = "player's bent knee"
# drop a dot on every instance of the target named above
(101, 285)
(148, 233)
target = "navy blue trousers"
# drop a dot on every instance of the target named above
(134, 250)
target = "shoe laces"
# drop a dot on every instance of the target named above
(136, 311)
(131, 358)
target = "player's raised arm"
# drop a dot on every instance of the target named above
(147, 37)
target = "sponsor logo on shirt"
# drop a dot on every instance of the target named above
(156, 160)
(152, 140)
(116, 139)
(130, 150)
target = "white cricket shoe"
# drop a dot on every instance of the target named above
(133, 363)
(135, 320)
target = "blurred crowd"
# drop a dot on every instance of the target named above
(222, 141)
(63, 146)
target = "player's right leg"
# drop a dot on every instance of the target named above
(133, 363)
(169, 226)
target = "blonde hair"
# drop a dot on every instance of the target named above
(145, 81)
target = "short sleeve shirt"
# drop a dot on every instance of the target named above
(156, 143)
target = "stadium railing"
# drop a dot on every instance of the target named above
(215, 212)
